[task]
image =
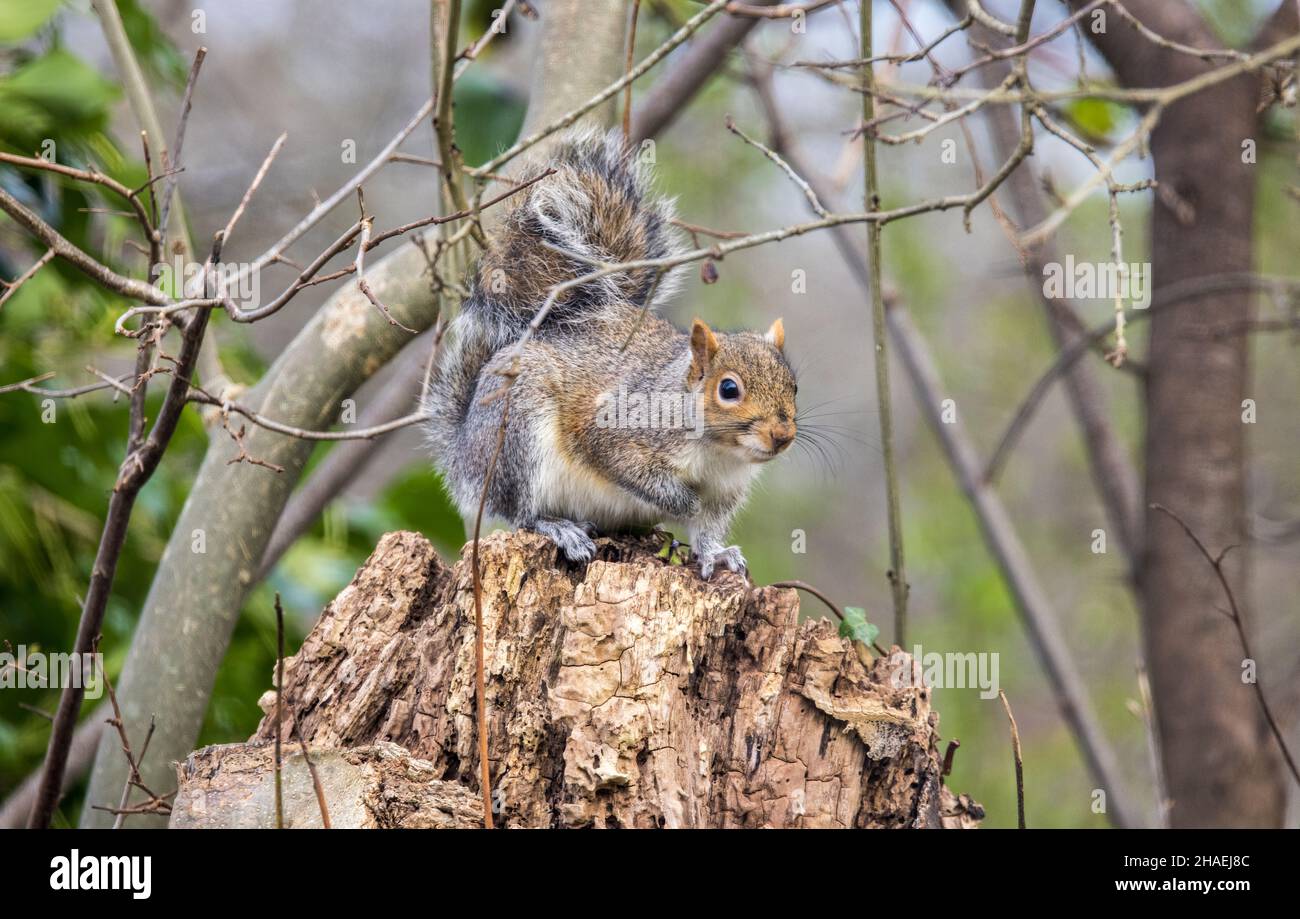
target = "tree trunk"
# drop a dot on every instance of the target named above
(1220, 764)
(627, 694)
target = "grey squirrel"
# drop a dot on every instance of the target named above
(617, 418)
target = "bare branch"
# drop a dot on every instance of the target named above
(897, 573)
(672, 93)
(253, 186)
(572, 116)
(31, 387)
(11, 287)
(780, 11)
(1167, 297)
(347, 190)
(91, 176)
(785, 167)
(169, 190)
(96, 271)
(136, 470)
(203, 397)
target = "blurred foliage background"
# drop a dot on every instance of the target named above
(357, 74)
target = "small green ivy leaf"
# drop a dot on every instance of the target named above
(855, 626)
(1096, 119)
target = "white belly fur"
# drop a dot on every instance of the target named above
(716, 472)
(564, 489)
(567, 490)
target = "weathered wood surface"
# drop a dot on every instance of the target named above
(232, 786)
(627, 694)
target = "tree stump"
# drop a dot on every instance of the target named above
(626, 693)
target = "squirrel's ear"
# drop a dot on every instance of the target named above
(704, 344)
(776, 335)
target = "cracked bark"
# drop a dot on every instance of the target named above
(626, 694)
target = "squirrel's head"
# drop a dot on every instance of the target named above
(748, 389)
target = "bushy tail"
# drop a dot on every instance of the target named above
(466, 347)
(598, 206)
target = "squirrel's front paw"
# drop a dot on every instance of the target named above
(573, 539)
(730, 557)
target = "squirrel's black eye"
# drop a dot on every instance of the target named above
(729, 390)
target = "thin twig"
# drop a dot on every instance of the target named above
(948, 755)
(1147, 714)
(133, 779)
(137, 468)
(346, 191)
(308, 275)
(342, 464)
(681, 35)
(279, 707)
(1020, 766)
(178, 142)
(253, 186)
(11, 287)
(1172, 295)
(830, 604)
(627, 68)
(152, 135)
(897, 567)
(203, 397)
(101, 274)
(775, 157)
(311, 768)
(92, 176)
(444, 117)
(780, 11)
(367, 224)
(480, 680)
(500, 19)
(1234, 613)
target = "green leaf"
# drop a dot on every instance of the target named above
(65, 86)
(22, 122)
(158, 56)
(55, 94)
(1096, 118)
(855, 625)
(488, 116)
(21, 18)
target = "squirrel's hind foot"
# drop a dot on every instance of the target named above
(573, 539)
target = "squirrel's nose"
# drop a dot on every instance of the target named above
(781, 436)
